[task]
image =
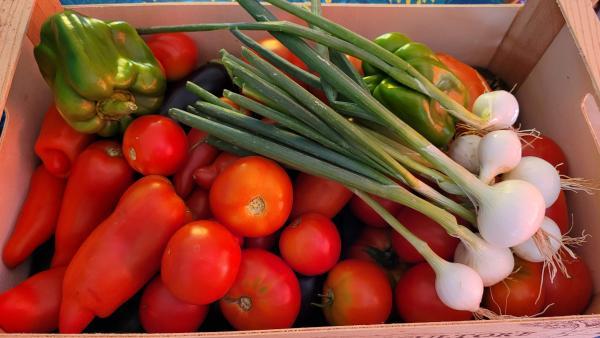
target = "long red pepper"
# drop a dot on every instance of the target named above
(37, 220)
(33, 305)
(99, 177)
(121, 254)
(58, 144)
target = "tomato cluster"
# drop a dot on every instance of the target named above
(233, 241)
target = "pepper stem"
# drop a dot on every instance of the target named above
(118, 105)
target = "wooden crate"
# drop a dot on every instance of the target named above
(549, 49)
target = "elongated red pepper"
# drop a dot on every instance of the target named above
(121, 254)
(205, 176)
(33, 305)
(58, 144)
(200, 154)
(37, 219)
(99, 177)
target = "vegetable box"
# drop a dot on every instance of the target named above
(549, 50)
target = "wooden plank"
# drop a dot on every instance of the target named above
(585, 28)
(530, 34)
(14, 15)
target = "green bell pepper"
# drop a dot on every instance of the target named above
(425, 115)
(101, 73)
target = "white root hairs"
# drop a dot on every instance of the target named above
(577, 184)
(553, 260)
(521, 133)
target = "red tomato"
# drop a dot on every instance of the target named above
(161, 312)
(197, 202)
(544, 147)
(264, 242)
(252, 197)
(517, 294)
(570, 296)
(155, 144)
(206, 175)
(311, 244)
(367, 215)
(426, 229)
(265, 295)
(276, 47)
(559, 213)
(356, 292)
(375, 245)
(320, 195)
(298, 62)
(200, 262)
(417, 300)
(176, 52)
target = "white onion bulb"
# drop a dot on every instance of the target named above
(529, 251)
(541, 174)
(499, 152)
(464, 150)
(510, 212)
(493, 264)
(500, 108)
(459, 286)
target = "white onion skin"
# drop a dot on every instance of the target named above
(464, 150)
(541, 174)
(499, 152)
(493, 264)
(510, 212)
(459, 287)
(499, 107)
(530, 252)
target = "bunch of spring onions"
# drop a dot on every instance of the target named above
(356, 141)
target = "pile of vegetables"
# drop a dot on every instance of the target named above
(326, 178)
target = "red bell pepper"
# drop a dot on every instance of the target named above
(121, 254)
(99, 177)
(58, 144)
(37, 219)
(33, 305)
(205, 176)
(200, 154)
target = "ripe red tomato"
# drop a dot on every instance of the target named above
(417, 301)
(356, 292)
(161, 312)
(320, 195)
(367, 215)
(200, 262)
(426, 229)
(197, 202)
(311, 244)
(559, 213)
(516, 295)
(570, 296)
(544, 147)
(155, 145)
(176, 52)
(252, 197)
(265, 295)
(375, 245)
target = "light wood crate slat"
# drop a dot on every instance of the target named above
(14, 15)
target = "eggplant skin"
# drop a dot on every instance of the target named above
(211, 76)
